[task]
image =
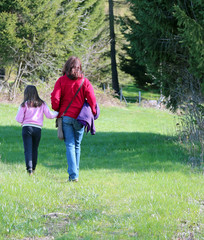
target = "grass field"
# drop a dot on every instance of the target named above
(131, 93)
(134, 182)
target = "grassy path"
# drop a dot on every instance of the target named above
(134, 182)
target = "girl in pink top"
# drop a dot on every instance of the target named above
(30, 115)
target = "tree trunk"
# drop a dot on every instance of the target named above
(115, 84)
(15, 85)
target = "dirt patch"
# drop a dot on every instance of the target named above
(108, 100)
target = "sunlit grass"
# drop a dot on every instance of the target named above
(131, 93)
(134, 181)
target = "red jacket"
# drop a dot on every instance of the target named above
(64, 91)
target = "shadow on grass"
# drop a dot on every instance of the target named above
(122, 151)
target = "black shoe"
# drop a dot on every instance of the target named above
(30, 172)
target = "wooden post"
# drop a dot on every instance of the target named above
(104, 87)
(139, 97)
(121, 94)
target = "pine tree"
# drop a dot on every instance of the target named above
(38, 36)
(90, 39)
(167, 38)
(31, 36)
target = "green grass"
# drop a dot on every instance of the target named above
(134, 182)
(131, 93)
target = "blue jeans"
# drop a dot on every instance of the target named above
(31, 139)
(73, 134)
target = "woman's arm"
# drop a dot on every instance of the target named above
(55, 96)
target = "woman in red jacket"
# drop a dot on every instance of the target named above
(63, 93)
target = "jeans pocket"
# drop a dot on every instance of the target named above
(77, 125)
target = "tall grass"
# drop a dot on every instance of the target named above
(134, 182)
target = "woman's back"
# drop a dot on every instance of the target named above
(64, 91)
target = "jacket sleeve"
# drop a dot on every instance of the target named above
(55, 96)
(20, 114)
(90, 96)
(48, 113)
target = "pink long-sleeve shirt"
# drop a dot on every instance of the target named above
(29, 116)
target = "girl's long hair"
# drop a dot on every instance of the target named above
(31, 97)
(72, 68)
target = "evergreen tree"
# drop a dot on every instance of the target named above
(38, 36)
(129, 65)
(167, 38)
(31, 35)
(90, 40)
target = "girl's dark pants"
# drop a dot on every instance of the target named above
(31, 139)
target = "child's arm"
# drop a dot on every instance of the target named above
(20, 114)
(48, 113)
